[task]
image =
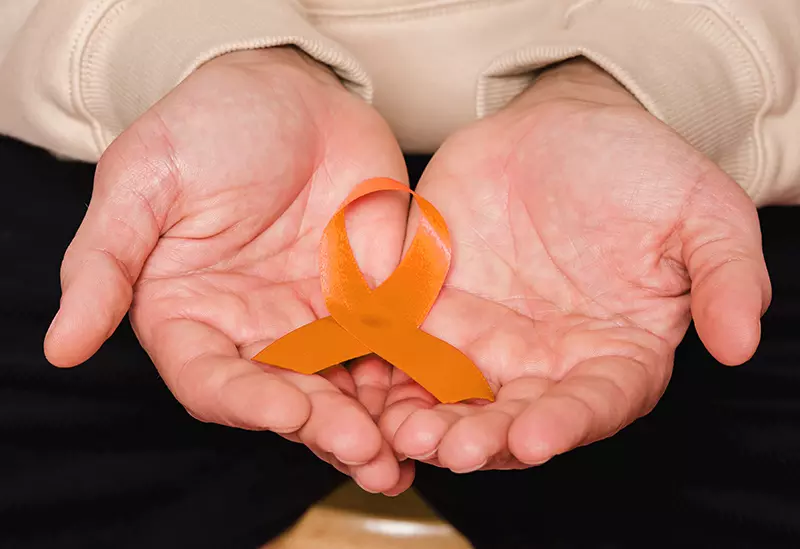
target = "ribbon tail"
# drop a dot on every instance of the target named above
(313, 348)
(446, 372)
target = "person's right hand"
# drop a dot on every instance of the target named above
(206, 216)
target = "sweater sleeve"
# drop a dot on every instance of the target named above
(76, 73)
(725, 74)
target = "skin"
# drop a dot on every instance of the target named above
(587, 235)
(205, 222)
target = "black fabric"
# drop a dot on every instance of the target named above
(102, 456)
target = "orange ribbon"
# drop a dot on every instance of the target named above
(386, 320)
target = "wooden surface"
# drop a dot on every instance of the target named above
(352, 518)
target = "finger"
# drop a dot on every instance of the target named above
(598, 398)
(204, 371)
(396, 414)
(118, 233)
(371, 376)
(478, 439)
(404, 398)
(379, 475)
(376, 227)
(383, 474)
(337, 424)
(335, 463)
(376, 223)
(404, 482)
(96, 294)
(730, 293)
(419, 436)
(340, 378)
(505, 463)
(721, 248)
(402, 387)
(331, 460)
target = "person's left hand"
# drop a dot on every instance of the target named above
(586, 235)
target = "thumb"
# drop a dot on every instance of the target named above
(118, 233)
(376, 227)
(730, 284)
(376, 223)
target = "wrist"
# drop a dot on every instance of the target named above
(579, 80)
(280, 58)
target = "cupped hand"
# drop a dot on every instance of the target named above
(586, 235)
(205, 221)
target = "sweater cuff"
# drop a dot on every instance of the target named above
(140, 50)
(683, 62)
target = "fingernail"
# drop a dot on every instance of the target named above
(470, 469)
(364, 488)
(352, 463)
(424, 456)
(537, 462)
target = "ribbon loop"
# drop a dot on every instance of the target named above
(386, 320)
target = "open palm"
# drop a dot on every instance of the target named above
(207, 214)
(585, 237)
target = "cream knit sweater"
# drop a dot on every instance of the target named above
(725, 74)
